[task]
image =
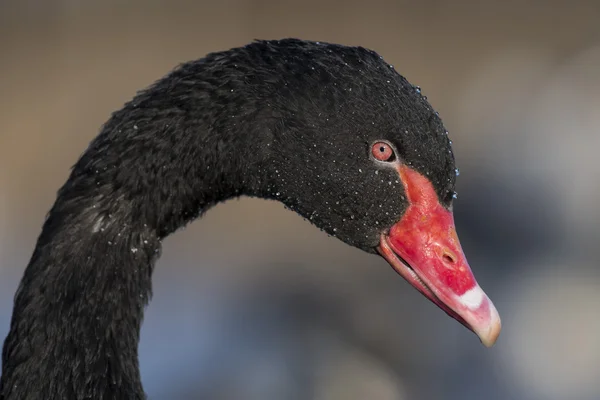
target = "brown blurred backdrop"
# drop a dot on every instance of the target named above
(251, 302)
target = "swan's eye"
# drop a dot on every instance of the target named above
(383, 151)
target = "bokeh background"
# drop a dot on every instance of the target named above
(252, 302)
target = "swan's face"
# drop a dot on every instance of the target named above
(369, 161)
(339, 165)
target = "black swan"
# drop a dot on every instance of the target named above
(333, 132)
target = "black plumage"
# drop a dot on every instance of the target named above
(288, 120)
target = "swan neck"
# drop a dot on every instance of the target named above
(160, 162)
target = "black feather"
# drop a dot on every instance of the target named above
(288, 120)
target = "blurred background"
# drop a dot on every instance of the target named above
(287, 312)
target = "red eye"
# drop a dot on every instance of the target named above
(382, 151)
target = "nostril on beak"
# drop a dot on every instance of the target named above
(449, 257)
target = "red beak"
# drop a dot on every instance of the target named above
(424, 249)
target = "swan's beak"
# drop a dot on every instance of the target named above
(424, 249)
